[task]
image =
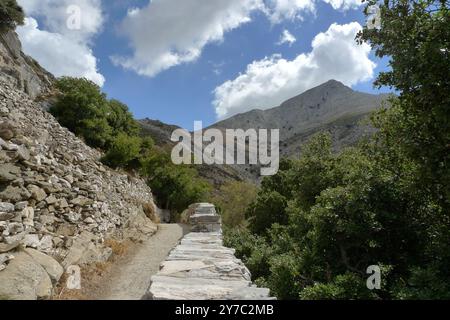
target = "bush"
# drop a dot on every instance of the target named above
(121, 120)
(83, 109)
(232, 200)
(123, 151)
(175, 187)
(11, 15)
(345, 287)
(268, 208)
(284, 278)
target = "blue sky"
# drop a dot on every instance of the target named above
(187, 90)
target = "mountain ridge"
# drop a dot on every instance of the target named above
(331, 107)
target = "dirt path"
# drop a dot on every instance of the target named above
(130, 279)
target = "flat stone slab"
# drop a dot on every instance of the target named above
(171, 288)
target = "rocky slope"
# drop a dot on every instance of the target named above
(58, 203)
(20, 70)
(331, 106)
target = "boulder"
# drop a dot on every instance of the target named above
(51, 266)
(23, 153)
(66, 230)
(82, 201)
(25, 279)
(4, 248)
(5, 216)
(13, 194)
(28, 216)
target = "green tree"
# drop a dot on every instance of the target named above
(175, 187)
(82, 108)
(123, 151)
(415, 36)
(11, 15)
(269, 208)
(121, 120)
(385, 202)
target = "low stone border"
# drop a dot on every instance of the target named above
(201, 268)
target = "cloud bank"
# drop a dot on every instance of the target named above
(167, 33)
(62, 50)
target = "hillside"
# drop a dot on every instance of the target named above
(161, 134)
(58, 202)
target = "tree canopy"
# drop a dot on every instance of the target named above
(319, 223)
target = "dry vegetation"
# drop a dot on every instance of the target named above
(150, 212)
(93, 275)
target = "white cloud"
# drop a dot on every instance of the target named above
(279, 10)
(268, 82)
(61, 50)
(344, 4)
(58, 54)
(287, 37)
(167, 33)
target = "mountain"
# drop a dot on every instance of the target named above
(331, 107)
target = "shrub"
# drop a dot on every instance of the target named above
(175, 187)
(82, 108)
(120, 119)
(123, 151)
(232, 200)
(269, 208)
(345, 287)
(11, 15)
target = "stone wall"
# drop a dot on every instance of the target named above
(58, 203)
(201, 268)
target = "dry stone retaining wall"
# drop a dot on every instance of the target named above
(201, 268)
(58, 199)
